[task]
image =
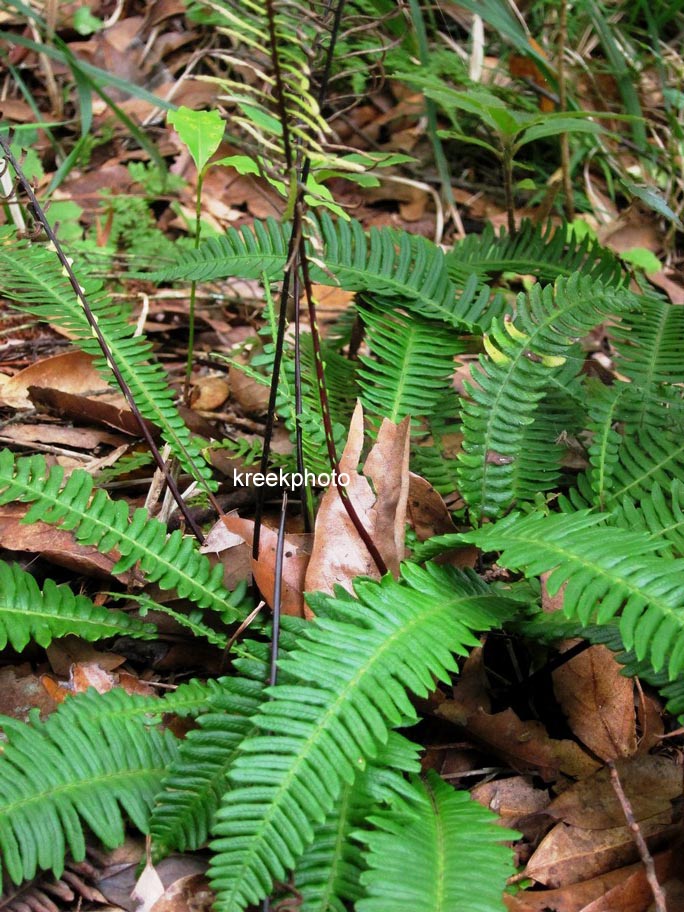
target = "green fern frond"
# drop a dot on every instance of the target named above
(649, 343)
(646, 458)
(172, 561)
(660, 515)
(523, 358)
(32, 278)
(546, 252)
(603, 404)
(73, 772)
(250, 253)
(410, 366)
(191, 791)
(538, 466)
(399, 636)
(407, 270)
(437, 852)
(608, 572)
(29, 613)
(328, 873)
(279, 43)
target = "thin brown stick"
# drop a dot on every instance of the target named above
(644, 854)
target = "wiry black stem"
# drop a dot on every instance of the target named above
(275, 377)
(299, 439)
(280, 87)
(39, 213)
(327, 424)
(277, 592)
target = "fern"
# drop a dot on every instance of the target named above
(32, 278)
(406, 270)
(649, 344)
(196, 780)
(27, 613)
(603, 407)
(172, 561)
(411, 366)
(546, 252)
(73, 771)
(644, 459)
(659, 516)
(523, 358)
(329, 871)
(435, 852)
(608, 571)
(399, 637)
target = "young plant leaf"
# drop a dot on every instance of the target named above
(201, 131)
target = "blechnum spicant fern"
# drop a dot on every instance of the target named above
(310, 789)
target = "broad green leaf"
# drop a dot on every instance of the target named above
(243, 164)
(554, 126)
(201, 131)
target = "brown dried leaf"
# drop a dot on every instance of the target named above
(295, 561)
(60, 435)
(426, 510)
(83, 409)
(579, 897)
(339, 555)
(21, 691)
(634, 893)
(71, 372)
(512, 798)
(83, 675)
(525, 745)
(55, 545)
(650, 783)
(187, 894)
(209, 393)
(569, 854)
(598, 702)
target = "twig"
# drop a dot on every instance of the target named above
(644, 854)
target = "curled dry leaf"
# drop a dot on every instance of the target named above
(84, 675)
(511, 799)
(379, 497)
(526, 745)
(426, 510)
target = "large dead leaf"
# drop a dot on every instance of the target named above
(598, 702)
(71, 372)
(650, 783)
(580, 897)
(82, 409)
(512, 799)
(295, 561)
(339, 554)
(60, 435)
(569, 854)
(55, 545)
(426, 510)
(527, 746)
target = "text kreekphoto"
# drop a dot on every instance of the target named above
(291, 480)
